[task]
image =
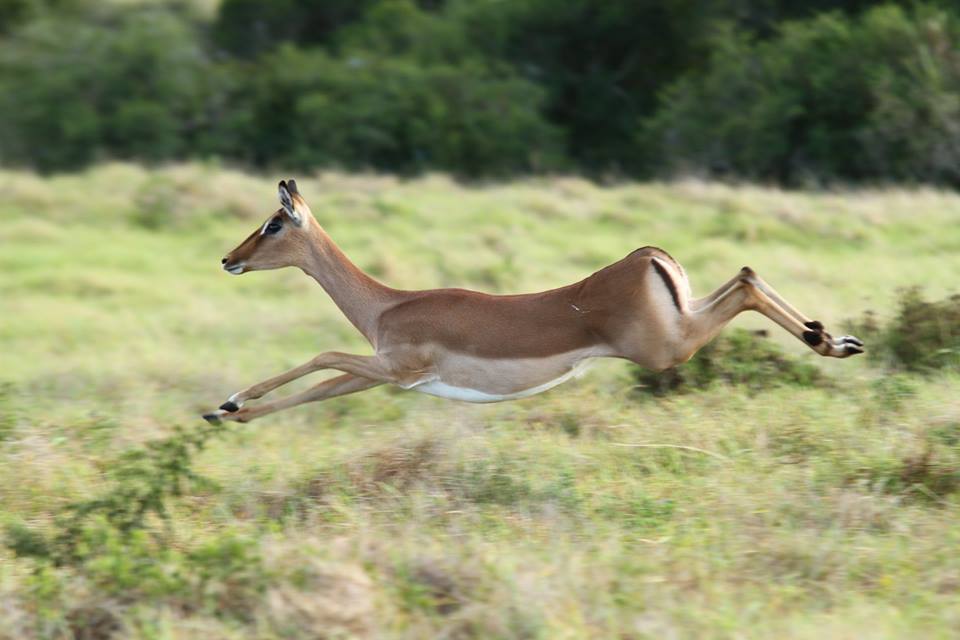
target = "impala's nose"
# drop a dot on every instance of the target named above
(236, 268)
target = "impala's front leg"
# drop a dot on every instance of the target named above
(369, 367)
(339, 386)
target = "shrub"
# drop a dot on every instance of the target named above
(922, 336)
(738, 358)
(140, 90)
(368, 112)
(114, 542)
(833, 98)
(249, 27)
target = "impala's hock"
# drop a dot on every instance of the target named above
(477, 347)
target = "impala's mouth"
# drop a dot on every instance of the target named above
(235, 269)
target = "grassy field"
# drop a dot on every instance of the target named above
(822, 512)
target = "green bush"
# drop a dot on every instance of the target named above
(129, 83)
(922, 336)
(247, 28)
(739, 357)
(116, 540)
(488, 88)
(831, 98)
(367, 112)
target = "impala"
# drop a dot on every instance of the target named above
(477, 347)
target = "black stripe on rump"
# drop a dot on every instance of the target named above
(667, 280)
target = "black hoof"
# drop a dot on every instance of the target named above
(212, 418)
(230, 406)
(813, 325)
(812, 338)
(852, 349)
(851, 340)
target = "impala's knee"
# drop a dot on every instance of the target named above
(747, 276)
(321, 361)
(752, 298)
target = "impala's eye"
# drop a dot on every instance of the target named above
(273, 227)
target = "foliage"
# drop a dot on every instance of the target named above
(922, 336)
(144, 480)
(113, 539)
(827, 99)
(825, 90)
(739, 357)
(369, 112)
(248, 28)
(142, 90)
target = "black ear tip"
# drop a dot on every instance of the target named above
(283, 184)
(292, 185)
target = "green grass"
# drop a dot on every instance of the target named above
(792, 512)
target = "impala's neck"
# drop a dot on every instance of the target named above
(361, 298)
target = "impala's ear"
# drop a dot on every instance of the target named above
(286, 200)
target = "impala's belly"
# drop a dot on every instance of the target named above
(474, 379)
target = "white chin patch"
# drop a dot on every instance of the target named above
(236, 270)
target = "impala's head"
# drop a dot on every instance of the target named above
(281, 241)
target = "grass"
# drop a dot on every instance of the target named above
(793, 511)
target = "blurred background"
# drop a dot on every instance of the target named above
(797, 93)
(758, 491)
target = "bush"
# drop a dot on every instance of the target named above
(367, 112)
(247, 28)
(488, 88)
(114, 541)
(923, 336)
(738, 358)
(832, 98)
(140, 90)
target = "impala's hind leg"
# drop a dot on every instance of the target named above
(747, 291)
(339, 386)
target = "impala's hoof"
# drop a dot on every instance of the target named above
(212, 418)
(851, 346)
(230, 406)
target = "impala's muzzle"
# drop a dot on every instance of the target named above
(235, 268)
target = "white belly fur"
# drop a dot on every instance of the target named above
(443, 390)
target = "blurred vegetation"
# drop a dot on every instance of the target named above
(832, 90)
(827, 98)
(923, 336)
